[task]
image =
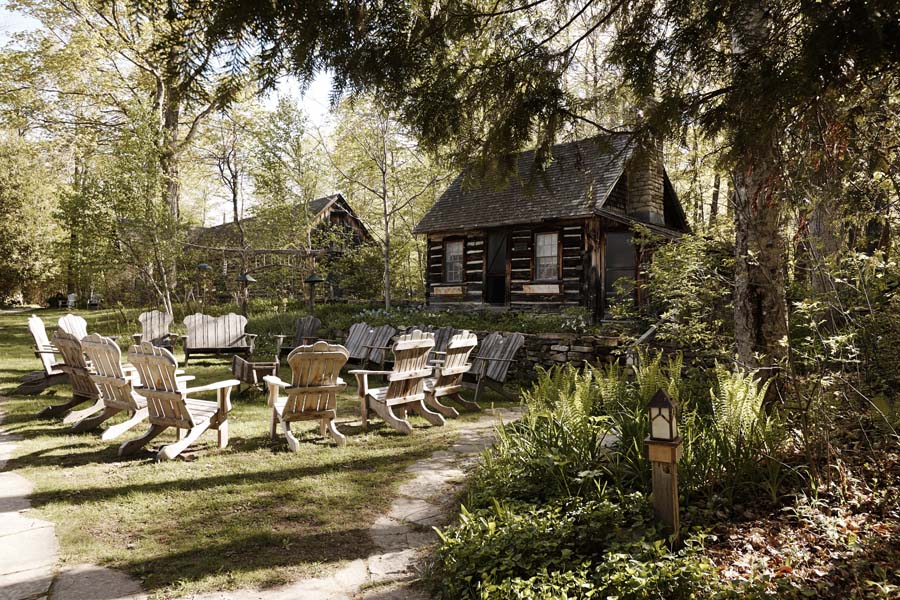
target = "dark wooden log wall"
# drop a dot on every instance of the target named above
(571, 238)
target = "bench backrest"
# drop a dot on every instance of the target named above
(106, 358)
(497, 345)
(314, 378)
(165, 402)
(41, 343)
(73, 324)
(380, 340)
(75, 365)
(358, 337)
(407, 380)
(306, 328)
(155, 326)
(226, 331)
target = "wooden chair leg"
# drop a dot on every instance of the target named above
(78, 415)
(292, 442)
(339, 438)
(273, 426)
(429, 415)
(115, 431)
(433, 403)
(135, 445)
(466, 404)
(222, 431)
(172, 450)
(385, 412)
(94, 421)
(58, 410)
(479, 388)
(364, 412)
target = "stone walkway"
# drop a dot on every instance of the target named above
(29, 548)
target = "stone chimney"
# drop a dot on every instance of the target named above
(645, 184)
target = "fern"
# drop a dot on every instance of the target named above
(737, 401)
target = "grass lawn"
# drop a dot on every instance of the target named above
(250, 515)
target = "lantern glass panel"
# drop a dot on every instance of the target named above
(659, 423)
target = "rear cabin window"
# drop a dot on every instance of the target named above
(453, 261)
(546, 256)
(621, 267)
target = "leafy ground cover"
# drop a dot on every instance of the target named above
(253, 514)
(556, 510)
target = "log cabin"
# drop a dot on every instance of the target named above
(551, 238)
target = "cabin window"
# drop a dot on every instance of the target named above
(453, 261)
(621, 266)
(546, 256)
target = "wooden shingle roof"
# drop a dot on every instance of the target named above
(576, 184)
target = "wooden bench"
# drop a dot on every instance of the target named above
(451, 365)
(405, 391)
(169, 404)
(312, 393)
(51, 372)
(155, 325)
(491, 365)
(216, 335)
(305, 330)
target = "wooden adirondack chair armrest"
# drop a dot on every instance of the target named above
(280, 337)
(496, 359)
(252, 336)
(362, 379)
(46, 351)
(228, 383)
(276, 381)
(439, 352)
(137, 338)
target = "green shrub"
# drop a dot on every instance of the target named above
(572, 548)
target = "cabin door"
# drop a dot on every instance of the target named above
(495, 284)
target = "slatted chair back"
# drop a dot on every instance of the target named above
(106, 358)
(306, 328)
(155, 326)
(165, 402)
(456, 359)
(73, 324)
(41, 343)
(500, 346)
(204, 331)
(315, 380)
(358, 338)
(75, 365)
(380, 342)
(406, 383)
(442, 337)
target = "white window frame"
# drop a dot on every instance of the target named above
(457, 274)
(544, 268)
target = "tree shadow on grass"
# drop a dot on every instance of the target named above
(264, 551)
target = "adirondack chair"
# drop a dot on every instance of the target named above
(442, 337)
(405, 391)
(74, 325)
(358, 338)
(155, 329)
(116, 387)
(216, 335)
(312, 395)
(168, 404)
(447, 381)
(491, 365)
(379, 344)
(304, 333)
(35, 382)
(252, 373)
(83, 389)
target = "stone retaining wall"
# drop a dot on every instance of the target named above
(549, 349)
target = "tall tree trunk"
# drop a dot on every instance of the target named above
(760, 302)
(714, 205)
(168, 160)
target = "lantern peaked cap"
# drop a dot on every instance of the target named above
(661, 400)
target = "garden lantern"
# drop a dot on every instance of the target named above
(664, 450)
(663, 421)
(312, 280)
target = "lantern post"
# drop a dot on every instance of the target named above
(245, 279)
(312, 281)
(664, 450)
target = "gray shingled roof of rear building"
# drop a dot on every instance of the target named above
(576, 184)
